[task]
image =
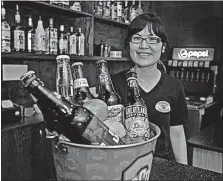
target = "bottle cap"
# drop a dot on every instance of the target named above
(77, 63)
(62, 57)
(51, 20)
(203, 99)
(101, 61)
(61, 27)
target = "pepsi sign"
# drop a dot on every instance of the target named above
(193, 54)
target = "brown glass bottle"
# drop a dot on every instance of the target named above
(65, 118)
(81, 88)
(107, 93)
(135, 116)
(133, 96)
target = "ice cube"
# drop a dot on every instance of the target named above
(116, 127)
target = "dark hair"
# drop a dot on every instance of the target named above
(141, 21)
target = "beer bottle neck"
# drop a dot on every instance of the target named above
(133, 90)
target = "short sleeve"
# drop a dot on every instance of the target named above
(179, 111)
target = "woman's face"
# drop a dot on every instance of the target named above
(145, 54)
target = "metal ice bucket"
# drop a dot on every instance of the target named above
(88, 162)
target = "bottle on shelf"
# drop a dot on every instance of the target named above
(114, 10)
(135, 114)
(6, 32)
(82, 92)
(99, 8)
(102, 47)
(126, 12)
(30, 36)
(64, 78)
(18, 33)
(76, 6)
(66, 4)
(119, 11)
(132, 13)
(67, 119)
(56, 2)
(139, 9)
(107, 10)
(51, 38)
(107, 93)
(40, 37)
(72, 42)
(80, 42)
(63, 43)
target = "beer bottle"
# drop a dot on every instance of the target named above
(64, 79)
(135, 116)
(81, 88)
(107, 93)
(73, 121)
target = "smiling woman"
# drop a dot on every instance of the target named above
(163, 95)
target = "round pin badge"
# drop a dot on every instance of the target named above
(162, 106)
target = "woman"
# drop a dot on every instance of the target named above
(163, 94)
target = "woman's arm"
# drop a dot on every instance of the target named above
(178, 141)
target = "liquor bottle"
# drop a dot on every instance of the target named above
(80, 42)
(99, 9)
(82, 93)
(114, 10)
(107, 93)
(139, 9)
(107, 10)
(126, 12)
(72, 42)
(66, 4)
(76, 6)
(102, 47)
(30, 36)
(64, 79)
(56, 2)
(40, 37)
(51, 38)
(135, 116)
(67, 119)
(132, 11)
(119, 11)
(18, 34)
(6, 32)
(63, 43)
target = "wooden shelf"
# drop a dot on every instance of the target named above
(53, 8)
(42, 57)
(66, 11)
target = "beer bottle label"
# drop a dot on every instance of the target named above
(115, 112)
(19, 40)
(103, 77)
(135, 121)
(82, 82)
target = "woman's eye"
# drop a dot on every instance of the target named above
(136, 38)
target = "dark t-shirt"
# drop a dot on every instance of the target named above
(169, 90)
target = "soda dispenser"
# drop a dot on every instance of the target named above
(195, 69)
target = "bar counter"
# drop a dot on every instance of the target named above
(26, 155)
(207, 147)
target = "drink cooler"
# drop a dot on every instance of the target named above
(87, 162)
